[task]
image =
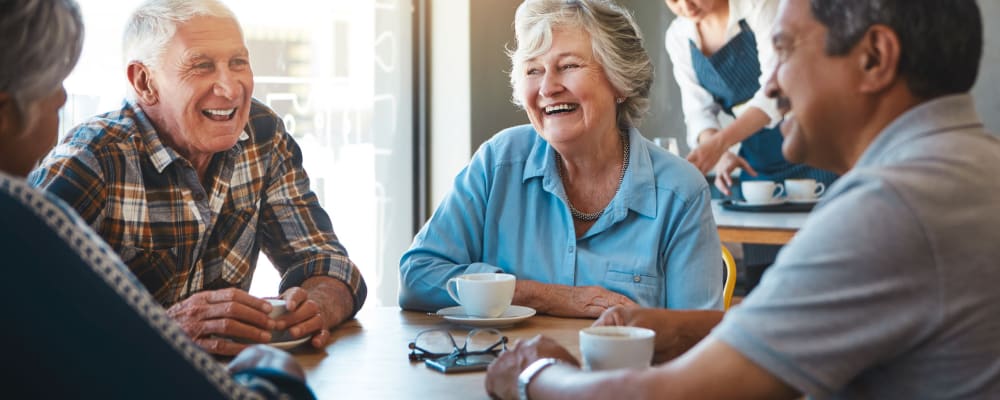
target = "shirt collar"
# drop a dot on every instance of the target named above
(638, 187)
(159, 154)
(934, 116)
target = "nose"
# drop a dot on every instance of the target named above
(771, 88)
(551, 85)
(227, 85)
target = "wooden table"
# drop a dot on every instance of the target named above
(367, 358)
(756, 227)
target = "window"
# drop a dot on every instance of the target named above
(340, 74)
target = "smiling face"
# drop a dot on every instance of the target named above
(26, 139)
(813, 90)
(694, 10)
(202, 88)
(565, 91)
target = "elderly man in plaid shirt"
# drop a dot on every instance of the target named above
(191, 178)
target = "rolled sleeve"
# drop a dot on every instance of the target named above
(450, 243)
(298, 234)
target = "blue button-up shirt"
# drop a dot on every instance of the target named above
(656, 242)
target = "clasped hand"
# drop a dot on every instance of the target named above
(227, 321)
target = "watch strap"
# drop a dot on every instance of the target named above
(524, 379)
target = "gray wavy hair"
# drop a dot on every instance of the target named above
(154, 23)
(40, 43)
(615, 39)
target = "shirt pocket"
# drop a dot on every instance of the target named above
(640, 284)
(157, 270)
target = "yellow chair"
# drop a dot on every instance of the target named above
(730, 284)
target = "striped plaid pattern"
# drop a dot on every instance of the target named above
(180, 237)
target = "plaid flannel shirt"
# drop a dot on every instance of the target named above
(180, 237)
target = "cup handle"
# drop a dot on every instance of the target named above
(453, 294)
(781, 190)
(820, 188)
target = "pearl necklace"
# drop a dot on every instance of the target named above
(588, 217)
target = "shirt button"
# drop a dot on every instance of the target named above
(569, 249)
(637, 279)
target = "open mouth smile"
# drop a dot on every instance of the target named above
(224, 114)
(560, 108)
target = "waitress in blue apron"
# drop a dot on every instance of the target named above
(722, 56)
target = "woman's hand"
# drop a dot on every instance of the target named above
(568, 301)
(707, 154)
(724, 169)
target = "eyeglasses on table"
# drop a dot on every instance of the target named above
(437, 343)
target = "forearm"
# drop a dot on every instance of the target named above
(566, 382)
(333, 297)
(748, 123)
(680, 330)
(546, 298)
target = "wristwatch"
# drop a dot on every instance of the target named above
(529, 373)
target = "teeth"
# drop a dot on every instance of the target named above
(789, 115)
(221, 113)
(559, 107)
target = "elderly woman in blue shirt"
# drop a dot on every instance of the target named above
(578, 205)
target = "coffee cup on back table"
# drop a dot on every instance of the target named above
(761, 192)
(804, 189)
(485, 295)
(614, 347)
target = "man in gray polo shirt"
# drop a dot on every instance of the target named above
(889, 290)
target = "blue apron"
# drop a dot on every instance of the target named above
(732, 76)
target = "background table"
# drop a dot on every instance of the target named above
(367, 358)
(756, 227)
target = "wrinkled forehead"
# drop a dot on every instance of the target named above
(795, 22)
(207, 33)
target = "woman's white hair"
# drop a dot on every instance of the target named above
(615, 39)
(40, 43)
(154, 23)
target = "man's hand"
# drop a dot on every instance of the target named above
(724, 169)
(501, 377)
(568, 301)
(321, 303)
(213, 318)
(303, 318)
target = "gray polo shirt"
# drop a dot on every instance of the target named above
(890, 290)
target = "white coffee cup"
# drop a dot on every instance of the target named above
(485, 295)
(761, 192)
(804, 189)
(614, 347)
(278, 308)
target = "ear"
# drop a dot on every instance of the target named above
(879, 58)
(140, 77)
(11, 120)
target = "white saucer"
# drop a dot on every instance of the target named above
(289, 344)
(513, 315)
(802, 201)
(744, 203)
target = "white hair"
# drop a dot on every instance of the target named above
(40, 43)
(154, 23)
(615, 39)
